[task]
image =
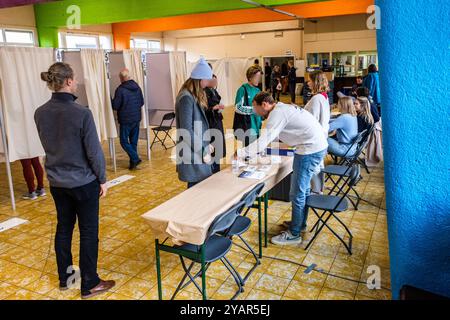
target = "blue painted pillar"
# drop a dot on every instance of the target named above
(414, 54)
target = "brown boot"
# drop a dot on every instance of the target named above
(102, 287)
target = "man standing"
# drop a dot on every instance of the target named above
(128, 101)
(297, 128)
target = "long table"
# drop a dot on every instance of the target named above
(187, 217)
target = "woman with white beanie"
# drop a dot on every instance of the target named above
(193, 141)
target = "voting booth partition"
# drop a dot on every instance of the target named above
(93, 90)
(21, 92)
(133, 60)
(166, 73)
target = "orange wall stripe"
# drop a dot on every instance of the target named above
(122, 31)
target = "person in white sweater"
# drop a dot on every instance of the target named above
(319, 107)
(297, 128)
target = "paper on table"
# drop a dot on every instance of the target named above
(256, 175)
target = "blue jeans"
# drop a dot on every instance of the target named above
(129, 136)
(304, 168)
(340, 149)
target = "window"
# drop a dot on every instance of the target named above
(13, 37)
(85, 41)
(150, 45)
(78, 42)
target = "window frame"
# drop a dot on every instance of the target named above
(5, 43)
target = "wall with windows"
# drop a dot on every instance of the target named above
(337, 34)
(93, 37)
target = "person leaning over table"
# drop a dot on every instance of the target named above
(297, 128)
(75, 167)
(193, 147)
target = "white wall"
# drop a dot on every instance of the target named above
(18, 17)
(344, 33)
(226, 41)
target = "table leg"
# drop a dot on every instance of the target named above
(158, 269)
(266, 207)
(259, 228)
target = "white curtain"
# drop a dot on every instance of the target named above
(133, 62)
(21, 92)
(178, 71)
(98, 92)
(231, 74)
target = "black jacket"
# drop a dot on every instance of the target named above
(128, 101)
(215, 118)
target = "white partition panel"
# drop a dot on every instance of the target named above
(74, 59)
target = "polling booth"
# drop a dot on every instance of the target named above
(21, 92)
(91, 72)
(133, 61)
(165, 74)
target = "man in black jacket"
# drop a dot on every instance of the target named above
(128, 101)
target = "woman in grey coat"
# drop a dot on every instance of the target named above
(193, 138)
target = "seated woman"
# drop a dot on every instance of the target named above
(364, 92)
(364, 115)
(346, 127)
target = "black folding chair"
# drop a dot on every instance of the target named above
(242, 224)
(342, 170)
(165, 130)
(330, 206)
(213, 249)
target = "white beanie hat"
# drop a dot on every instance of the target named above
(202, 71)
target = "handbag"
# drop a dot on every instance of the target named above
(279, 86)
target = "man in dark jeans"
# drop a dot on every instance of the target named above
(128, 101)
(75, 167)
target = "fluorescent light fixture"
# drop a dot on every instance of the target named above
(257, 4)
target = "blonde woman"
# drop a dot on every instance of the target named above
(365, 118)
(193, 144)
(346, 127)
(319, 106)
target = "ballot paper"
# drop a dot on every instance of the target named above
(256, 175)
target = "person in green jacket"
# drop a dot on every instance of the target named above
(247, 124)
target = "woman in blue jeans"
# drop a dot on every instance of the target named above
(346, 127)
(297, 128)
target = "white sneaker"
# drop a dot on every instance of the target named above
(286, 238)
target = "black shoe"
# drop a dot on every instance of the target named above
(133, 166)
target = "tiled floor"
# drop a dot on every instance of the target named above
(28, 265)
